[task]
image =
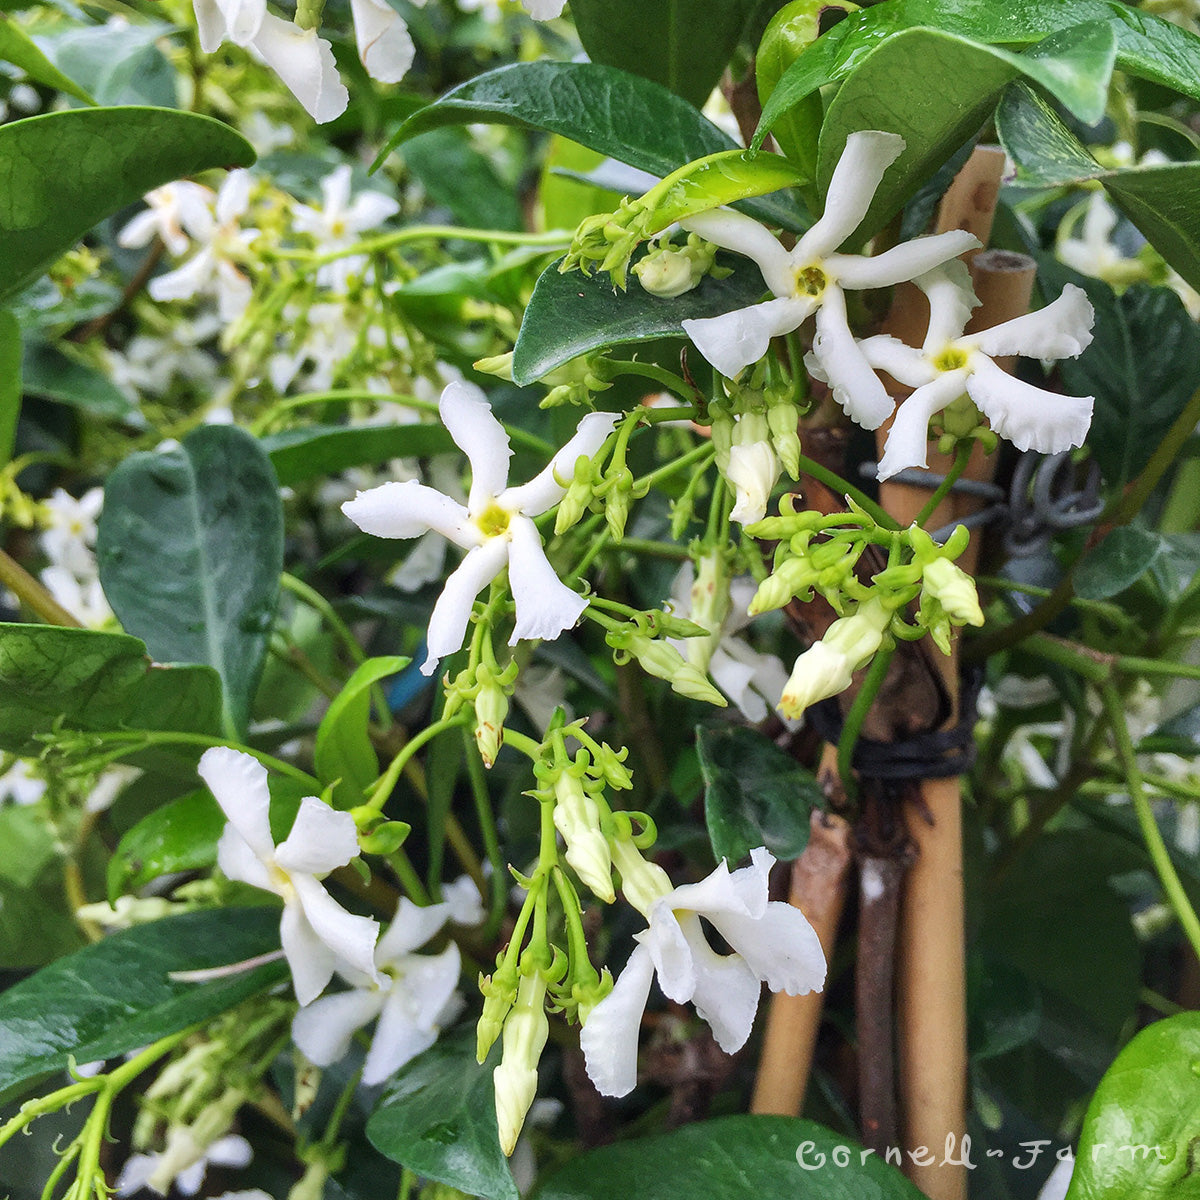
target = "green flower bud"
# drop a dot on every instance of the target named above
(499, 992)
(515, 1079)
(664, 661)
(642, 882)
(794, 577)
(491, 709)
(577, 818)
(669, 271)
(783, 417)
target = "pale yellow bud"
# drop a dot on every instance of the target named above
(515, 1079)
(577, 818)
(642, 882)
(954, 589)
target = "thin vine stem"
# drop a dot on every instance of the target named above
(852, 729)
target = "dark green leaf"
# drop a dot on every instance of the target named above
(620, 115)
(343, 749)
(1118, 562)
(320, 450)
(10, 382)
(29, 844)
(571, 314)
(731, 1158)
(1162, 201)
(65, 171)
(51, 677)
(37, 923)
(1147, 46)
(51, 372)
(755, 794)
(443, 763)
(116, 995)
(17, 48)
(190, 545)
(1003, 1006)
(455, 175)
(682, 44)
(438, 1118)
(183, 836)
(1142, 367)
(1139, 1134)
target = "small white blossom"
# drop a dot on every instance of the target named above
(813, 277)
(175, 212)
(413, 998)
(182, 1164)
(20, 785)
(495, 526)
(772, 943)
(318, 935)
(69, 529)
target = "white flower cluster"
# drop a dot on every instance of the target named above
(68, 540)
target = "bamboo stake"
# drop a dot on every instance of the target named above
(818, 889)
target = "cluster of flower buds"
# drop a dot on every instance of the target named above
(643, 637)
(669, 271)
(575, 382)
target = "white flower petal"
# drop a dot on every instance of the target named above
(905, 261)
(321, 838)
(243, 19)
(384, 44)
(867, 155)
(412, 926)
(397, 1039)
(671, 951)
(609, 1037)
(855, 386)
(324, 1029)
(233, 200)
(210, 22)
(232, 1150)
(351, 938)
(1062, 329)
(951, 298)
(544, 490)
(907, 442)
(753, 470)
(1029, 417)
(305, 64)
(187, 280)
(467, 415)
(309, 959)
(727, 990)
(238, 781)
(734, 340)
(818, 673)
(780, 947)
(142, 228)
(462, 897)
(407, 510)
(743, 891)
(430, 980)
(370, 210)
(904, 364)
(543, 10)
(452, 612)
(545, 605)
(237, 860)
(735, 231)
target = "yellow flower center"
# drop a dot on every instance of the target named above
(493, 521)
(281, 881)
(951, 359)
(810, 281)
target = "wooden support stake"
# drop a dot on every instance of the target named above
(818, 889)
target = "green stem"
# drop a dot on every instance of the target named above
(668, 550)
(1155, 846)
(683, 462)
(491, 838)
(840, 487)
(410, 881)
(387, 781)
(32, 592)
(155, 737)
(852, 728)
(672, 382)
(961, 455)
(417, 233)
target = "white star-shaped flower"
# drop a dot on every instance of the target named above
(772, 942)
(949, 365)
(495, 527)
(812, 278)
(174, 212)
(317, 933)
(413, 998)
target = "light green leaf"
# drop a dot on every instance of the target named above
(117, 995)
(118, 64)
(1162, 201)
(755, 794)
(190, 546)
(51, 677)
(572, 314)
(51, 372)
(1118, 562)
(314, 451)
(10, 383)
(438, 1118)
(682, 44)
(29, 844)
(17, 48)
(617, 114)
(62, 172)
(1139, 1134)
(731, 1158)
(343, 749)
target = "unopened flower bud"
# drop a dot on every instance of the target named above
(954, 590)
(642, 882)
(577, 818)
(664, 661)
(578, 496)
(499, 992)
(669, 271)
(790, 579)
(491, 709)
(710, 605)
(499, 365)
(515, 1079)
(783, 417)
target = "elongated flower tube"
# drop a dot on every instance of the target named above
(317, 933)
(772, 943)
(950, 364)
(813, 277)
(495, 527)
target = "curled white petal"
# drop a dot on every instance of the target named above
(855, 385)
(412, 926)
(753, 470)
(305, 63)
(905, 261)
(544, 490)
(323, 1030)
(734, 340)
(735, 231)
(310, 961)
(452, 612)
(609, 1037)
(545, 605)
(951, 298)
(904, 364)
(727, 990)
(1063, 329)
(243, 18)
(383, 40)
(908, 439)
(320, 840)
(350, 937)
(1029, 417)
(479, 435)
(238, 781)
(408, 509)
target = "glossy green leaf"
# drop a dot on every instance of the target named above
(315, 451)
(343, 749)
(890, 90)
(572, 314)
(1146, 46)
(10, 383)
(1162, 201)
(682, 44)
(51, 677)
(731, 1158)
(1139, 1134)
(1142, 367)
(755, 794)
(65, 171)
(457, 176)
(1118, 562)
(183, 836)
(117, 995)
(438, 1118)
(51, 372)
(617, 114)
(190, 546)
(17, 48)
(117, 63)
